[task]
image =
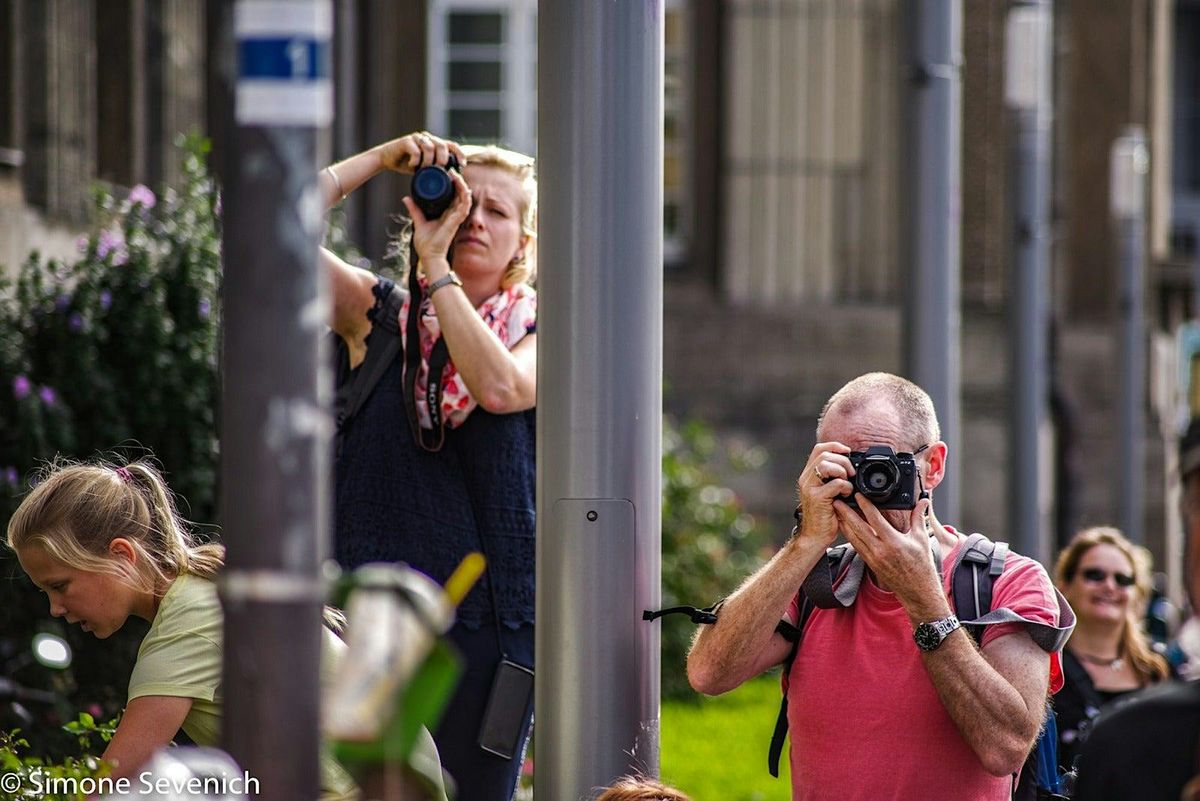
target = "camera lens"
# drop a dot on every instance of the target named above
(877, 479)
(433, 190)
(431, 183)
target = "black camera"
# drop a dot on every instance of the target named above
(888, 478)
(433, 188)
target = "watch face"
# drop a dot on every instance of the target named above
(927, 637)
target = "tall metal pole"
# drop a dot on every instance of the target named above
(1130, 162)
(275, 427)
(600, 162)
(1028, 60)
(931, 312)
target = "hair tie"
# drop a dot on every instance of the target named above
(124, 474)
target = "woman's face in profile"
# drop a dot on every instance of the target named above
(1103, 585)
(491, 237)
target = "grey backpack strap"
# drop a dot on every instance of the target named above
(1049, 638)
(819, 584)
(979, 563)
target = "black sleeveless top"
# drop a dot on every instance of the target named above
(398, 503)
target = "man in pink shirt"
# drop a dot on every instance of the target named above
(888, 698)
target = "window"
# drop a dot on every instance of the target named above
(483, 88)
(483, 75)
(1186, 133)
(676, 209)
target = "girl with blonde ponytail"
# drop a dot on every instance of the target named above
(105, 542)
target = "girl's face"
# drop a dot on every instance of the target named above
(491, 237)
(1103, 586)
(99, 602)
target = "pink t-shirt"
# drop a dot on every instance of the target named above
(864, 718)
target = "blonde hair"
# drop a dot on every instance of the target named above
(521, 167)
(77, 509)
(1149, 665)
(640, 788)
(912, 404)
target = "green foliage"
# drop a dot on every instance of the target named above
(709, 543)
(717, 748)
(25, 775)
(122, 345)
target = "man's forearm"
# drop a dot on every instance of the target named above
(738, 646)
(996, 719)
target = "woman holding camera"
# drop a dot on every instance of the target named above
(437, 460)
(1106, 579)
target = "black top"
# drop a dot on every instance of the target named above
(1145, 749)
(1076, 707)
(398, 503)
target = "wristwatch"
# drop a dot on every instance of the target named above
(445, 280)
(929, 636)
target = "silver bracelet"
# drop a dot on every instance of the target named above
(337, 183)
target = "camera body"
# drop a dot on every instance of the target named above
(888, 478)
(433, 188)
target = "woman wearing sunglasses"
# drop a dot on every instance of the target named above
(1106, 578)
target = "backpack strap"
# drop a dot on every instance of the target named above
(819, 584)
(793, 634)
(384, 345)
(979, 563)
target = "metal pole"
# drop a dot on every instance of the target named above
(1028, 60)
(1129, 165)
(599, 451)
(931, 311)
(275, 449)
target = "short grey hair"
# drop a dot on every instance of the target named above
(912, 404)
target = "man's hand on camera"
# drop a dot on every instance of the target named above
(824, 479)
(432, 238)
(900, 560)
(421, 149)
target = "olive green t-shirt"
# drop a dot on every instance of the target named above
(180, 657)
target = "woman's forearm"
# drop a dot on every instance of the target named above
(339, 180)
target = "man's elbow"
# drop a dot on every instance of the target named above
(704, 678)
(1007, 757)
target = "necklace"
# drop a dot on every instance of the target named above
(1115, 663)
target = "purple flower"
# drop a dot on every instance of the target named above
(75, 322)
(21, 387)
(62, 303)
(10, 475)
(141, 194)
(120, 256)
(48, 395)
(205, 308)
(81, 244)
(108, 242)
(105, 300)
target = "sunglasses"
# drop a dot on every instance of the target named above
(1094, 575)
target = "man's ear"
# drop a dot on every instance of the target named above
(936, 460)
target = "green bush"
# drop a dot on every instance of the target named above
(709, 542)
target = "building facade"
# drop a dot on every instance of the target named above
(785, 192)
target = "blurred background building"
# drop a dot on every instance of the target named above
(785, 194)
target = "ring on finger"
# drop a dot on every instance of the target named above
(817, 470)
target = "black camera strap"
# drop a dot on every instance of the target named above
(428, 439)
(434, 440)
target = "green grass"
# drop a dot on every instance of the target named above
(716, 750)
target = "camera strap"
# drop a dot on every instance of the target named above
(433, 439)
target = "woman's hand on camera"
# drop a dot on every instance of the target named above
(432, 238)
(408, 153)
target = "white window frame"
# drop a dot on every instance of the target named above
(518, 55)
